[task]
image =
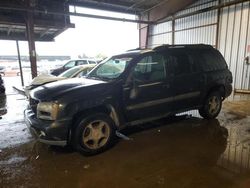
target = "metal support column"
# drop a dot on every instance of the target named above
(31, 41)
(173, 31)
(218, 26)
(20, 64)
(143, 35)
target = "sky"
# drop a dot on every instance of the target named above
(90, 36)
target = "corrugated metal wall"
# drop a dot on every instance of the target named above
(233, 35)
(160, 34)
(200, 28)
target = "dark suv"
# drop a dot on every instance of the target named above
(129, 89)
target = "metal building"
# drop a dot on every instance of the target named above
(224, 24)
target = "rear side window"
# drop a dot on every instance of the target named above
(212, 60)
(82, 62)
(92, 62)
(179, 63)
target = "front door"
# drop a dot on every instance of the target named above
(148, 92)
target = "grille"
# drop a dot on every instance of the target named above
(33, 104)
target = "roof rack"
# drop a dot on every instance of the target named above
(136, 49)
(199, 46)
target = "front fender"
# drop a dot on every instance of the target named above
(110, 107)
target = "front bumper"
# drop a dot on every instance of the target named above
(48, 132)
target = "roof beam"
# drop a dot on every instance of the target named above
(169, 7)
(109, 6)
(215, 7)
(9, 30)
(136, 4)
(44, 33)
(75, 14)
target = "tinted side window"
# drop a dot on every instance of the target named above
(70, 64)
(82, 62)
(179, 63)
(212, 60)
(150, 68)
(92, 62)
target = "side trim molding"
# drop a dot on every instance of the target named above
(164, 100)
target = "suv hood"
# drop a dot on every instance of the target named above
(53, 90)
(44, 78)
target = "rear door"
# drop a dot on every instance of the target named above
(186, 77)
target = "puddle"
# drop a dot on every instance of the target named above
(13, 160)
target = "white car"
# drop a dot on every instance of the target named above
(71, 64)
(77, 71)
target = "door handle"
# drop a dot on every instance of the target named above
(166, 86)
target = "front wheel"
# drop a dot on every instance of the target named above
(94, 134)
(212, 106)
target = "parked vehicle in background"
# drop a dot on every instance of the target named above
(77, 71)
(15, 70)
(129, 89)
(2, 70)
(3, 109)
(71, 64)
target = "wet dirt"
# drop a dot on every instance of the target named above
(184, 152)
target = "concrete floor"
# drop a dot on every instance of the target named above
(181, 152)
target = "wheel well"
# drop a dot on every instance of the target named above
(219, 88)
(109, 110)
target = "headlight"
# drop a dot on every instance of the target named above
(47, 110)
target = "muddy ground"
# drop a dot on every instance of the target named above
(182, 152)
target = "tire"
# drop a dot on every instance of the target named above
(212, 106)
(94, 134)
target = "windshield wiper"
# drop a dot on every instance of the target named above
(100, 78)
(93, 77)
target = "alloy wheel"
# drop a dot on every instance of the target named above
(96, 134)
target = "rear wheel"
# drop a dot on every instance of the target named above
(212, 106)
(94, 134)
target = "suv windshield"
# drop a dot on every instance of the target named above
(110, 69)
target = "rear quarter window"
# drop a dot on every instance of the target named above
(212, 60)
